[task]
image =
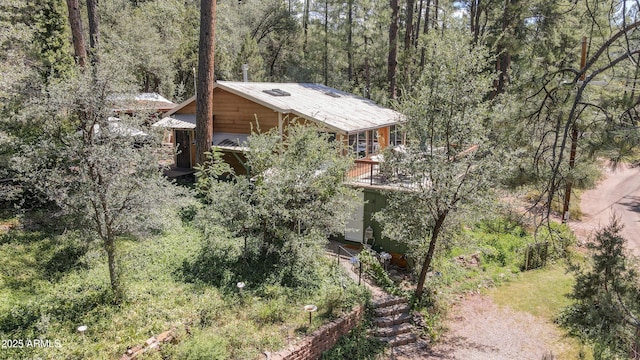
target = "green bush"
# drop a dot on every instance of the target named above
(559, 237)
(374, 269)
(501, 242)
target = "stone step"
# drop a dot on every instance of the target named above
(399, 340)
(411, 350)
(388, 301)
(402, 308)
(392, 320)
(384, 332)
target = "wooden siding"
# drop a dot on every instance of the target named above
(190, 108)
(235, 114)
(383, 137)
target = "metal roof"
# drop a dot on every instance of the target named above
(140, 102)
(337, 110)
(178, 121)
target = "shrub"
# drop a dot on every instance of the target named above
(374, 269)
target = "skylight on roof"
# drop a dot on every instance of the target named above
(332, 94)
(276, 92)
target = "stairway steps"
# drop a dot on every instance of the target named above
(402, 308)
(389, 301)
(392, 320)
(390, 331)
(399, 340)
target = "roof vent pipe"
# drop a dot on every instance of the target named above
(245, 72)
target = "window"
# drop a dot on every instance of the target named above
(395, 136)
(276, 92)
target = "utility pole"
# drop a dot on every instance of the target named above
(574, 141)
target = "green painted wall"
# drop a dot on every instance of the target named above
(374, 202)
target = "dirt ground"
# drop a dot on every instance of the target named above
(480, 330)
(617, 194)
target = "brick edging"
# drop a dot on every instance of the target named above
(321, 340)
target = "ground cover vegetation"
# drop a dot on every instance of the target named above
(523, 99)
(52, 283)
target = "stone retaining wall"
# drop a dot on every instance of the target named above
(321, 340)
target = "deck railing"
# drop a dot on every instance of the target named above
(367, 171)
(353, 259)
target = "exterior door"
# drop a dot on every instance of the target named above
(183, 143)
(355, 224)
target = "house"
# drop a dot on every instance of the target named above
(150, 104)
(240, 107)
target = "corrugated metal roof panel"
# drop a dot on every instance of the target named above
(178, 121)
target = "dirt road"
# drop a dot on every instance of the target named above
(618, 193)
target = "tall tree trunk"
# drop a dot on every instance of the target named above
(427, 259)
(407, 58)
(475, 11)
(503, 61)
(417, 28)
(94, 29)
(409, 25)
(425, 31)
(75, 22)
(206, 80)
(325, 60)
(305, 26)
(110, 247)
(392, 63)
(350, 42)
(436, 6)
(367, 70)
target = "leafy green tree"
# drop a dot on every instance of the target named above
(291, 202)
(102, 174)
(607, 307)
(448, 163)
(250, 55)
(575, 109)
(50, 40)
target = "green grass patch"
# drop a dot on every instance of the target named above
(51, 284)
(540, 292)
(543, 293)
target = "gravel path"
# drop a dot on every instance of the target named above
(480, 330)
